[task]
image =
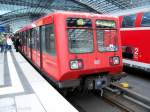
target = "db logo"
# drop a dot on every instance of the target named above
(96, 62)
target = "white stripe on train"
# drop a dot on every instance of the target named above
(135, 28)
(135, 64)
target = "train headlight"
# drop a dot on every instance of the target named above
(114, 60)
(76, 64)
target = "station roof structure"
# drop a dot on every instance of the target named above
(12, 10)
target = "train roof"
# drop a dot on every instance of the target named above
(67, 13)
(88, 14)
(133, 11)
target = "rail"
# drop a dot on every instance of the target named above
(126, 99)
(136, 97)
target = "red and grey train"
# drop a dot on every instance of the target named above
(74, 49)
(135, 36)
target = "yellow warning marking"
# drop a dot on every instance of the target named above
(124, 84)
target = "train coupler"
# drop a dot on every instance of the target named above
(96, 83)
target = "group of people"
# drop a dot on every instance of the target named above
(7, 41)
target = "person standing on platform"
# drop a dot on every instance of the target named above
(17, 43)
(5, 43)
(9, 43)
(1, 43)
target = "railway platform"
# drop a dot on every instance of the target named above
(23, 89)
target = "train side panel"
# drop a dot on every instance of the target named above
(135, 42)
(139, 41)
(49, 61)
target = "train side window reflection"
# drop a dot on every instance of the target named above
(28, 38)
(146, 19)
(43, 39)
(49, 41)
(38, 39)
(128, 21)
(33, 41)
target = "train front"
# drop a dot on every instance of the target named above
(91, 54)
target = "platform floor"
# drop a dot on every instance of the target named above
(23, 89)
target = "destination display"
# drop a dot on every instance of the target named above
(105, 24)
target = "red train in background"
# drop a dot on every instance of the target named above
(74, 49)
(135, 36)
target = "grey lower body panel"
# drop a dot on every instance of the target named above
(69, 83)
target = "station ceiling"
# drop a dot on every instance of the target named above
(11, 10)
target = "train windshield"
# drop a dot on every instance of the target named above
(106, 35)
(80, 35)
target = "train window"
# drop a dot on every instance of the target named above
(50, 39)
(37, 39)
(146, 19)
(128, 21)
(107, 40)
(24, 38)
(80, 40)
(43, 39)
(25, 35)
(79, 22)
(127, 52)
(28, 38)
(33, 38)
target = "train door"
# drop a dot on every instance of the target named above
(28, 44)
(48, 49)
(41, 44)
(38, 55)
(25, 43)
(22, 37)
(33, 45)
(107, 41)
(42, 35)
(26, 40)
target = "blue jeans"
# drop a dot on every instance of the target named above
(9, 47)
(2, 47)
(5, 47)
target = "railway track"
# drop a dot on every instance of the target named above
(126, 99)
(118, 104)
(115, 100)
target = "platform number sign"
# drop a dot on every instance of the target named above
(136, 53)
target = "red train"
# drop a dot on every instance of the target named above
(135, 34)
(74, 49)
